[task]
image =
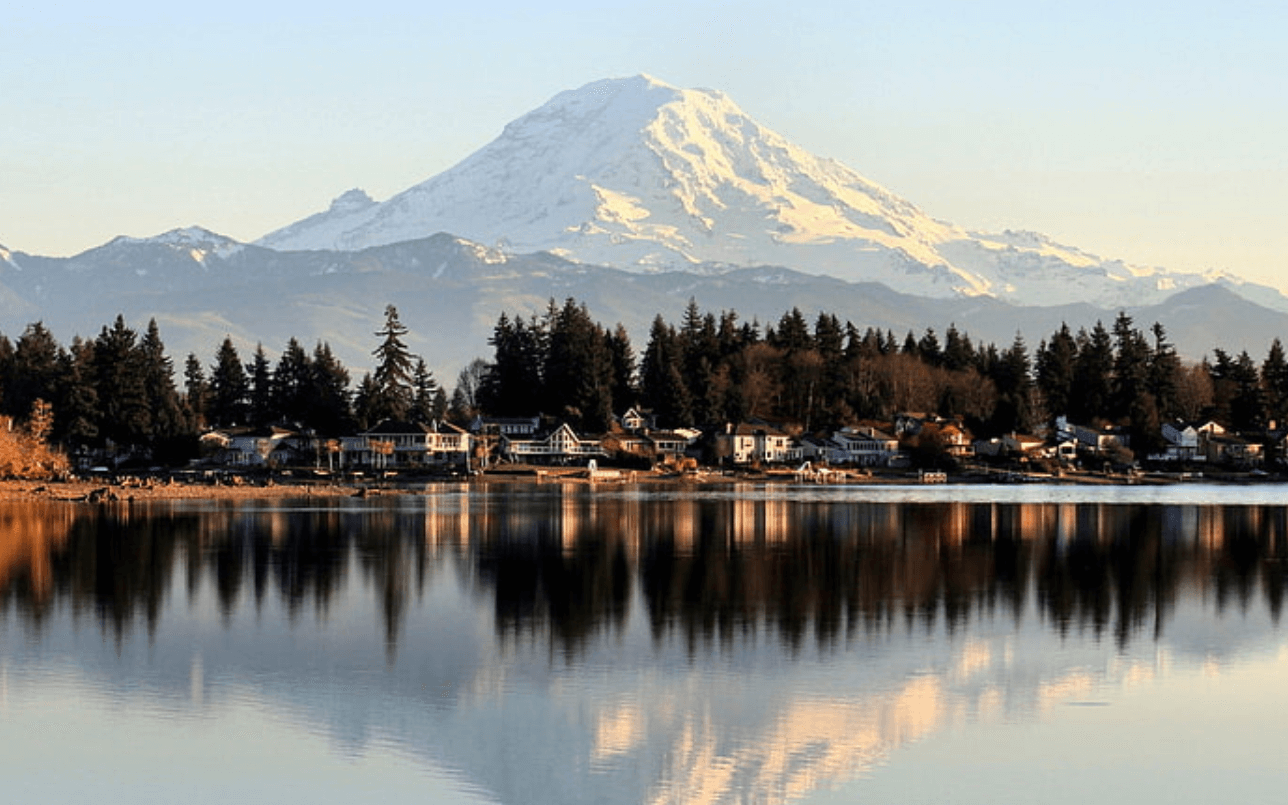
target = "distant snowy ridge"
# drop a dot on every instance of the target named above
(637, 174)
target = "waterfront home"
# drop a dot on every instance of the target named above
(253, 447)
(866, 446)
(558, 445)
(394, 443)
(1232, 450)
(751, 442)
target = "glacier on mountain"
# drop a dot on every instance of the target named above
(636, 174)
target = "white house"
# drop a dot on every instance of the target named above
(866, 446)
(560, 445)
(747, 442)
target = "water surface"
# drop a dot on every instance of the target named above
(552, 644)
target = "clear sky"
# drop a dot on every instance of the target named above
(1155, 132)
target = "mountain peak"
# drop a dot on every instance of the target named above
(637, 174)
(350, 200)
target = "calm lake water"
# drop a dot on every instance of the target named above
(557, 644)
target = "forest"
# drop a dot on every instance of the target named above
(120, 394)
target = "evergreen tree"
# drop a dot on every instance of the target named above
(513, 383)
(121, 380)
(1274, 379)
(367, 407)
(1056, 370)
(578, 370)
(1014, 386)
(928, 348)
(1131, 370)
(291, 385)
(260, 374)
(1247, 408)
(1093, 374)
(329, 404)
(959, 354)
(33, 371)
(621, 358)
(662, 388)
(394, 394)
(77, 422)
(173, 430)
(196, 389)
(1164, 374)
(229, 388)
(425, 395)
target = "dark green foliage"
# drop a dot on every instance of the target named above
(1092, 375)
(260, 374)
(229, 388)
(425, 391)
(121, 376)
(328, 412)
(291, 387)
(394, 395)
(33, 371)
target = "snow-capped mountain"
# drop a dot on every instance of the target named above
(636, 174)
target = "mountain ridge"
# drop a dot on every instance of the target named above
(450, 292)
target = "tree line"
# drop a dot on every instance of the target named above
(714, 368)
(119, 390)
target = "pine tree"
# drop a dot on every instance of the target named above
(1164, 373)
(33, 371)
(578, 370)
(77, 422)
(121, 380)
(959, 354)
(425, 394)
(621, 358)
(291, 385)
(662, 388)
(394, 395)
(229, 388)
(1014, 385)
(1131, 370)
(260, 374)
(1056, 362)
(1093, 374)
(1274, 379)
(1247, 408)
(196, 390)
(513, 384)
(173, 431)
(329, 410)
(367, 407)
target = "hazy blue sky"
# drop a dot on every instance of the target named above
(1154, 132)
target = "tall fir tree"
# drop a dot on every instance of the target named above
(121, 380)
(1056, 361)
(394, 395)
(173, 428)
(196, 389)
(229, 388)
(330, 406)
(291, 386)
(424, 394)
(1274, 379)
(259, 372)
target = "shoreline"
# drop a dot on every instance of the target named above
(147, 489)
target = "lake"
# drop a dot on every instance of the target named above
(546, 643)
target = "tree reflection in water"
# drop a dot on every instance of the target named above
(567, 562)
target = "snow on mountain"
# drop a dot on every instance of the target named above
(637, 174)
(6, 259)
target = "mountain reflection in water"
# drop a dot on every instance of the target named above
(639, 646)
